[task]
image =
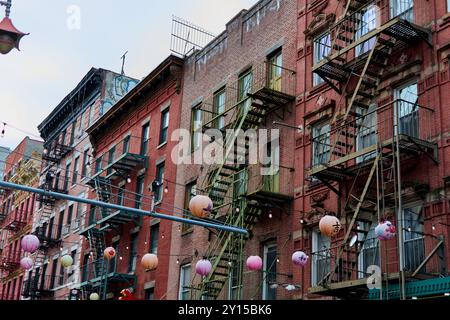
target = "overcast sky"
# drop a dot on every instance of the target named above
(54, 57)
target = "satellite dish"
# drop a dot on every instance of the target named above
(353, 240)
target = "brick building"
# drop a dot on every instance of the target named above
(66, 159)
(133, 151)
(22, 166)
(243, 79)
(372, 102)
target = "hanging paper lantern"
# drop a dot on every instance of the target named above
(254, 263)
(329, 226)
(299, 258)
(149, 261)
(94, 296)
(109, 253)
(201, 206)
(385, 230)
(66, 261)
(203, 267)
(26, 263)
(30, 243)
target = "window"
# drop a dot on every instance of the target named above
(149, 294)
(69, 216)
(73, 254)
(113, 261)
(99, 164)
(66, 183)
(144, 138)
(154, 236)
(408, 110)
(367, 134)
(164, 126)
(85, 163)
(139, 191)
(190, 192)
(75, 170)
(321, 144)
(322, 48)
(53, 273)
(368, 22)
(219, 109)
(245, 83)
(196, 126)
(159, 178)
(321, 258)
(234, 290)
(80, 206)
(85, 271)
(185, 282)
(270, 265)
(133, 252)
(120, 193)
(60, 223)
(413, 220)
(63, 137)
(91, 115)
(369, 255)
(72, 133)
(111, 155)
(402, 8)
(126, 145)
(61, 275)
(275, 70)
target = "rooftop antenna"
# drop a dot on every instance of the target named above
(123, 62)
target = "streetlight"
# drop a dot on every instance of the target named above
(9, 35)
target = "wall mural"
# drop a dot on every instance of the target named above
(117, 86)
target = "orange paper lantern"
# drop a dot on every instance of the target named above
(201, 206)
(329, 226)
(149, 261)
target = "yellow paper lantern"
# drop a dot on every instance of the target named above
(329, 226)
(94, 296)
(66, 261)
(201, 206)
(149, 262)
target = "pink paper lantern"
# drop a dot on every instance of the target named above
(149, 262)
(203, 267)
(254, 263)
(299, 258)
(329, 226)
(201, 206)
(385, 231)
(26, 263)
(30, 243)
(109, 253)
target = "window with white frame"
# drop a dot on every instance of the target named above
(270, 276)
(322, 48)
(370, 252)
(414, 241)
(368, 21)
(367, 134)
(185, 282)
(321, 143)
(402, 9)
(234, 290)
(321, 258)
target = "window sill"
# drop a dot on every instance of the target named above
(162, 145)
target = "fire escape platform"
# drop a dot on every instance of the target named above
(271, 97)
(397, 28)
(112, 277)
(348, 289)
(125, 163)
(264, 196)
(409, 146)
(118, 217)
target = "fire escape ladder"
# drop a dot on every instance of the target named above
(345, 266)
(227, 250)
(97, 247)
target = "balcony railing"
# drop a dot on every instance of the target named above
(40, 286)
(424, 257)
(10, 261)
(272, 183)
(266, 81)
(56, 151)
(120, 159)
(105, 218)
(99, 269)
(356, 140)
(16, 220)
(49, 236)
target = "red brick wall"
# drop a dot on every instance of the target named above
(222, 66)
